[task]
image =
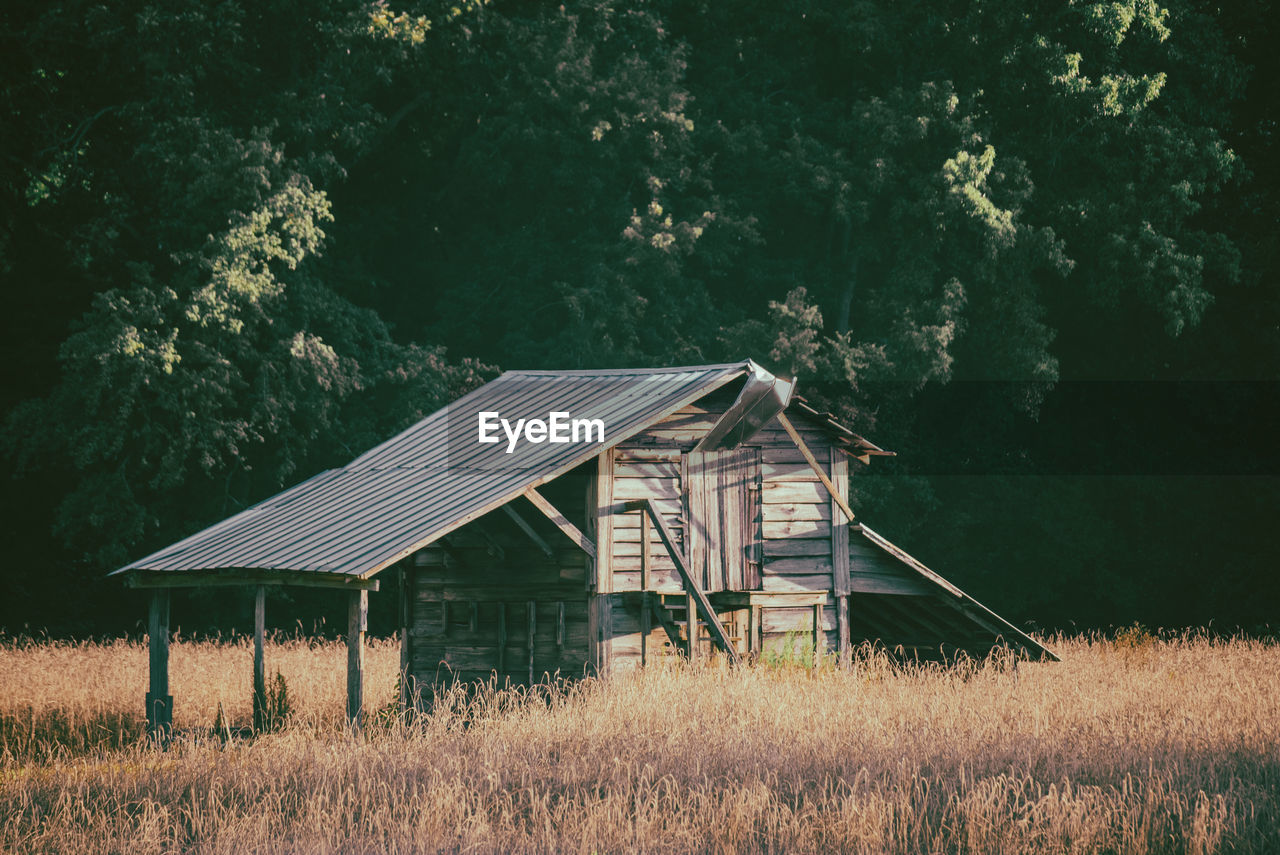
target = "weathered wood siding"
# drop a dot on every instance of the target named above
(488, 601)
(763, 499)
(871, 571)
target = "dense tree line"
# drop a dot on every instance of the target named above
(243, 241)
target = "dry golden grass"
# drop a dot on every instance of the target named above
(66, 696)
(1142, 746)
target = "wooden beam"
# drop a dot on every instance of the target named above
(492, 546)
(524, 526)
(841, 583)
(259, 658)
(561, 522)
(755, 636)
(357, 623)
(814, 465)
(159, 701)
(703, 606)
(407, 571)
(691, 628)
(532, 627)
(645, 583)
(502, 639)
(646, 625)
(227, 578)
(818, 646)
(778, 599)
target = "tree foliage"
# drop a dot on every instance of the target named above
(242, 241)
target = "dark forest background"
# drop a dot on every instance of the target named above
(1031, 247)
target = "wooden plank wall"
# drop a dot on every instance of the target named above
(797, 534)
(794, 525)
(476, 599)
(871, 571)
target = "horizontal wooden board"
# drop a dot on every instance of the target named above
(796, 620)
(774, 435)
(665, 580)
(646, 469)
(885, 583)
(788, 492)
(786, 453)
(795, 546)
(817, 582)
(629, 548)
(628, 454)
(631, 563)
(803, 565)
(774, 472)
(512, 593)
(797, 528)
(626, 489)
(797, 511)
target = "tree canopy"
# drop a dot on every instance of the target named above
(243, 241)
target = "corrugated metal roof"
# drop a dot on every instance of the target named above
(436, 475)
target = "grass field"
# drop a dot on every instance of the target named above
(1130, 745)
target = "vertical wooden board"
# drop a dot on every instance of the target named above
(357, 623)
(754, 524)
(692, 469)
(593, 565)
(645, 545)
(502, 637)
(840, 582)
(603, 514)
(733, 534)
(531, 630)
(691, 627)
(159, 701)
(259, 658)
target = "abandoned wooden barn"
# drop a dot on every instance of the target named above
(708, 512)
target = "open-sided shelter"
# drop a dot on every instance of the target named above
(710, 511)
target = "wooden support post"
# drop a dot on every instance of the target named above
(357, 623)
(645, 582)
(406, 625)
(502, 639)
(840, 579)
(756, 641)
(817, 634)
(260, 659)
(691, 625)
(532, 627)
(159, 701)
(646, 624)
